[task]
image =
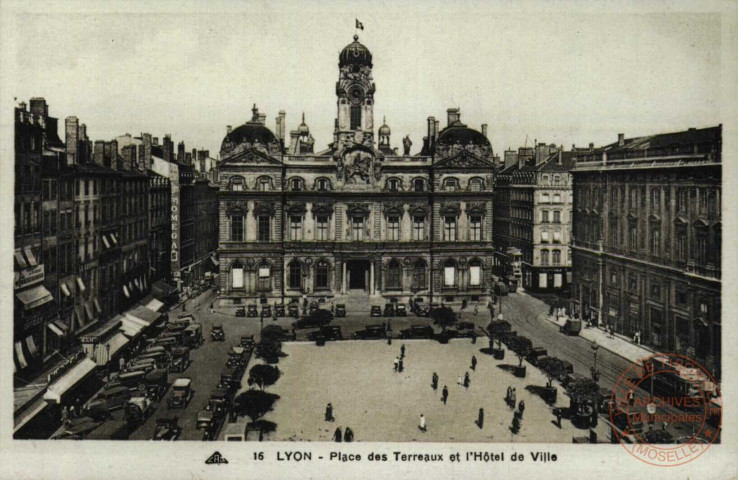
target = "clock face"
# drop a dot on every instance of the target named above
(355, 93)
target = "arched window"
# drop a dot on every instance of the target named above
(450, 184)
(296, 184)
(264, 184)
(394, 184)
(475, 273)
(237, 184)
(476, 185)
(355, 117)
(556, 257)
(321, 275)
(264, 277)
(294, 279)
(544, 257)
(322, 184)
(419, 282)
(419, 185)
(237, 275)
(394, 275)
(449, 274)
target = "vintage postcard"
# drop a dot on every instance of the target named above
(318, 240)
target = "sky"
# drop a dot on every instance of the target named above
(557, 77)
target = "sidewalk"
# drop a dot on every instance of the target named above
(620, 345)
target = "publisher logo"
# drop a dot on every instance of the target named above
(682, 396)
(216, 459)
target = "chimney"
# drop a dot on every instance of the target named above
(454, 115)
(180, 152)
(591, 147)
(39, 107)
(98, 153)
(621, 139)
(431, 129)
(168, 148)
(496, 161)
(188, 158)
(294, 136)
(282, 124)
(573, 147)
(229, 129)
(436, 130)
(146, 149)
(484, 129)
(71, 133)
(561, 155)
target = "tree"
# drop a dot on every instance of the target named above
(269, 347)
(255, 403)
(521, 346)
(583, 391)
(553, 368)
(272, 333)
(264, 375)
(443, 317)
(323, 317)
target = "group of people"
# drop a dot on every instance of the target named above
(75, 410)
(347, 435)
(511, 400)
(399, 360)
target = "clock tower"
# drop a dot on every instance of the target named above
(355, 91)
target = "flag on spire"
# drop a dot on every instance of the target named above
(359, 25)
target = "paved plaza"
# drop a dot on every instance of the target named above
(379, 405)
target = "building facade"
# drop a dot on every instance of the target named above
(358, 218)
(647, 240)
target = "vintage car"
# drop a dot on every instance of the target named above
(314, 307)
(247, 341)
(241, 312)
(167, 429)
(317, 319)
(629, 422)
(378, 331)
(141, 364)
(500, 289)
(400, 310)
(251, 311)
(417, 331)
(572, 326)
(279, 310)
(138, 409)
(107, 400)
(205, 420)
(216, 333)
(236, 357)
(422, 310)
(376, 311)
(340, 310)
(181, 393)
(193, 336)
(327, 332)
(294, 310)
(219, 401)
(266, 311)
(228, 379)
(535, 355)
(161, 358)
(180, 359)
(389, 310)
(169, 339)
(461, 330)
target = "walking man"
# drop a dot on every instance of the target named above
(337, 435)
(421, 426)
(474, 363)
(434, 381)
(508, 395)
(557, 411)
(521, 408)
(513, 398)
(466, 380)
(402, 351)
(397, 363)
(480, 418)
(444, 395)
(400, 367)
(329, 413)
(348, 435)
(631, 397)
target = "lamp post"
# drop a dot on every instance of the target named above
(595, 373)
(107, 350)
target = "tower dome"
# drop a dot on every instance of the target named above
(384, 129)
(355, 54)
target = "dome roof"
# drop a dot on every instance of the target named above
(249, 135)
(460, 133)
(384, 129)
(355, 54)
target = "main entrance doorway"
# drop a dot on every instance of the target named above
(358, 274)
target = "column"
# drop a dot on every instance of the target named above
(343, 281)
(371, 278)
(377, 288)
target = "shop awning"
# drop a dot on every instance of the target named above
(29, 256)
(54, 328)
(80, 284)
(20, 260)
(19, 357)
(129, 327)
(34, 297)
(75, 375)
(143, 314)
(125, 292)
(65, 289)
(32, 347)
(116, 342)
(105, 241)
(154, 305)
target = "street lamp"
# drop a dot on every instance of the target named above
(595, 373)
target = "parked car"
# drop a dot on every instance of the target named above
(376, 311)
(236, 357)
(571, 327)
(144, 365)
(228, 378)
(193, 335)
(340, 310)
(216, 333)
(266, 311)
(535, 355)
(314, 307)
(138, 409)
(205, 420)
(219, 401)
(180, 359)
(241, 312)
(417, 331)
(251, 311)
(401, 310)
(328, 332)
(247, 341)
(294, 310)
(317, 319)
(378, 330)
(279, 311)
(181, 393)
(461, 330)
(389, 310)
(108, 400)
(177, 335)
(167, 429)
(501, 289)
(422, 310)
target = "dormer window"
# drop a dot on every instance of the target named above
(450, 185)
(393, 184)
(296, 184)
(476, 185)
(238, 184)
(419, 185)
(323, 184)
(264, 184)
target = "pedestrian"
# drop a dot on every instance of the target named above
(631, 397)
(474, 363)
(329, 412)
(348, 435)
(121, 363)
(402, 351)
(508, 395)
(664, 425)
(476, 310)
(515, 424)
(212, 308)
(389, 325)
(72, 412)
(64, 415)
(513, 398)
(421, 426)
(389, 337)
(521, 408)
(460, 380)
(480, 418)
(337, 436)
(466, 380)
(400, 366)
(557, 411)
(444, 395)
(397, 363)
(434, 381)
